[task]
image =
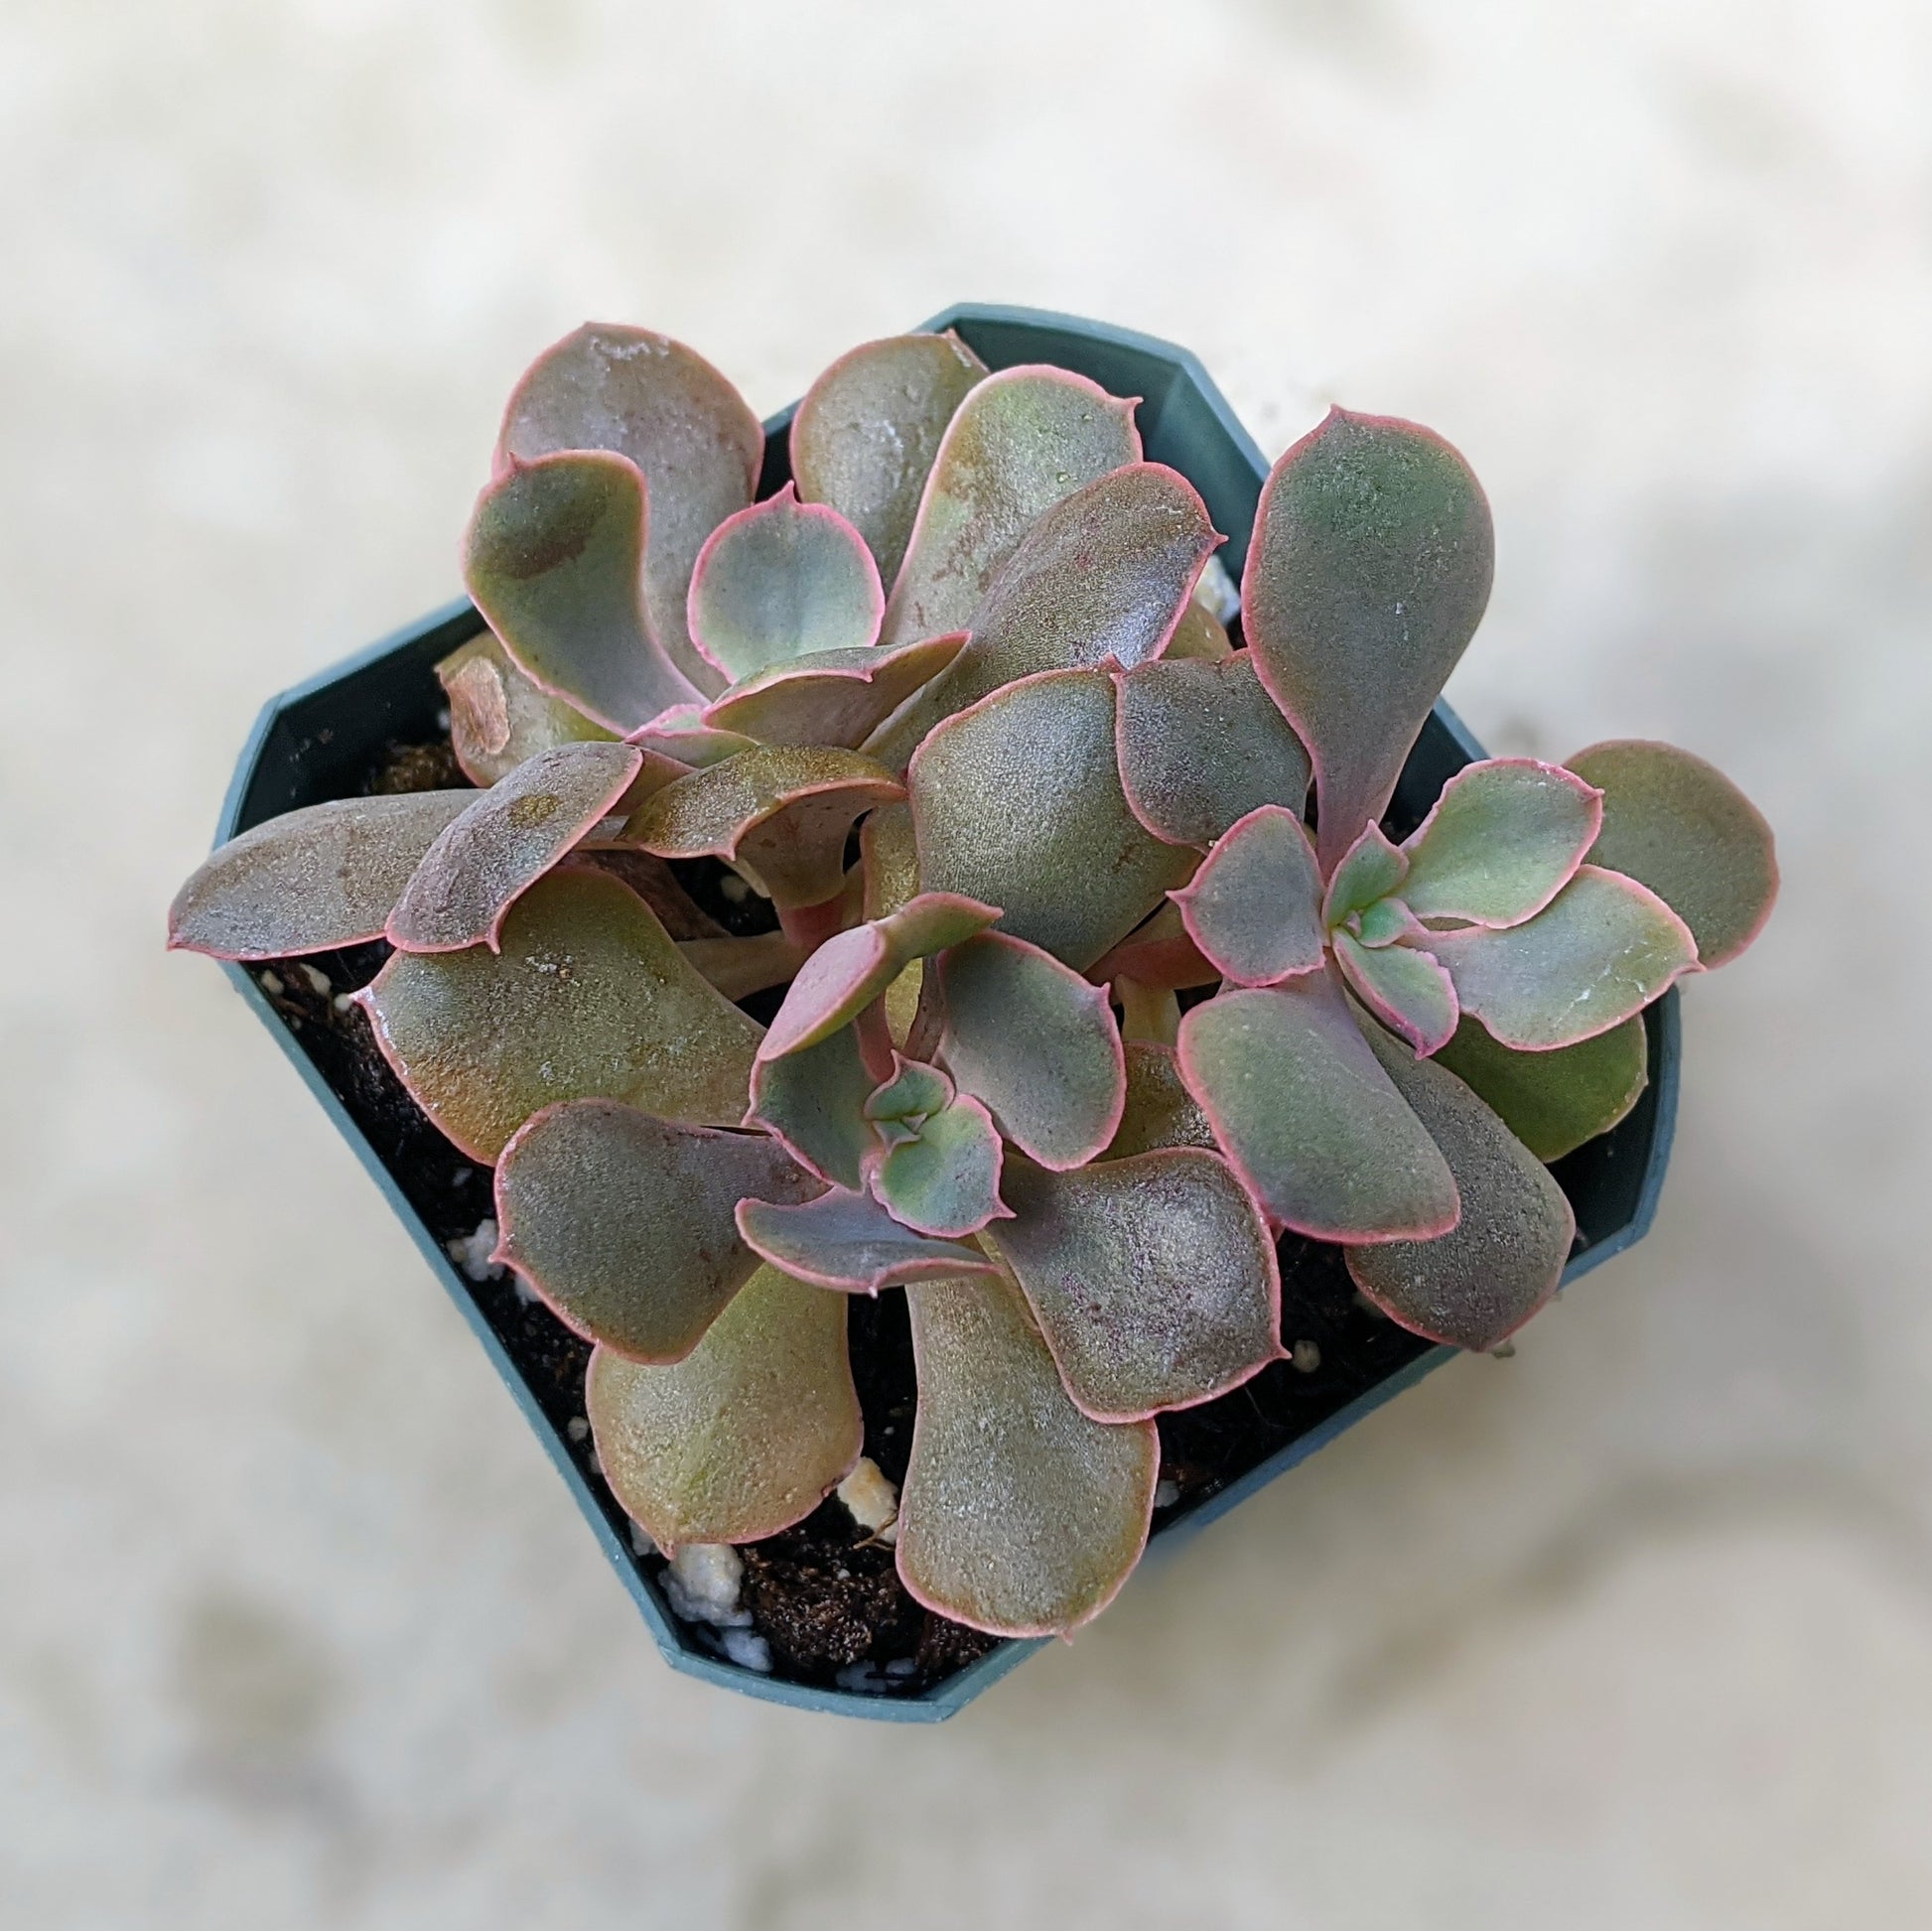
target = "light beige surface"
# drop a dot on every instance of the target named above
(296, 1629)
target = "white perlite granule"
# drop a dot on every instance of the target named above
(871, 1500)
(471, 1253)
(747, 1650)
(1166, 1494)
(701, 1585)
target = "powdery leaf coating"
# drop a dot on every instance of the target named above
(1367, 576)
(681, 732)
(497, 717)
(743, 1437)
(312, 880)
(665, 408)
(1017, 443)
(779, 581)
(589, 999)
(1680, 826)
(1308, 1119)
(1017, 802)
(945, 1180)
(1478, 1283)
(1369, 871)
(551, 557)
(1153, 1278)
(1158, 953)
(780, 814)
(1202, 745)
(868, 429)
(1403, 986)
(1503, 839)
(1554, 1101)
(1254, 908)
(832, 696)
(623, 1223)
(1159, 1110)
(1018, 1515)
(814, 1101)
(848, 1241)
(506, 840)
(1604, 948)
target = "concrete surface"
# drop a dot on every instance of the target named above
(297, 1629)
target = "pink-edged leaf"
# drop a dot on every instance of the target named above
(507, 840)
(743, 1437)
(1308, 1119)
(1020, 442)
(740, 967)
(780, 581)
(1020, 1515)
(623, 1223)
(497, 717)
(1254, 908)
(1681, 827)
(1403, 986)
(1153, 1278)
(588, 999)
(867, 432)
(1017, 802)
(1367, 576)
(1370, 870)
(848, 1241)
(1604, 948)
(665, 408)
(1201, 746)
(1159, 953)
(1159, 1110)
(913, 1095)
(1037, 1043)
(1386, 922)
(834, 697)
(1503, 839)
(681, 732)
(322, 877)
(945, 1179)
(1474, 1286)
(551, 557)
(1554, 1101)
(814, 1101)
(656, 884)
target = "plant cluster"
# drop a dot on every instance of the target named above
(1079, 1013)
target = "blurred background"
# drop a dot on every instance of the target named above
(297, 1626)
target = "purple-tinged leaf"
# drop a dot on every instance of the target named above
(1403, 986)
(589, 999)
(623, 1223)
(551, 557)
(848, 1241)
(1367, 576)
(1254, 908)
(814, 1101)
(1554, 1101)
(1037, 1043)
(1474, 1286)
(322, 877)
(1017, 802)
(1159, 1110)
(690, 433)
(682, 734)
(1017, 443)
(913, 1095)
(1020, 1515)
(1153, 1278)
(740, 967)
(656, 884)
(1308, 1119)
(1159, 953)
(1503, 840)
(1370, 870)
(867, 432)
(1604, 948)
(743, 1437)
(507, 839)
(1681, 827)
(1201, 745)
(834, 697)
(497, 717)
(945, 1179)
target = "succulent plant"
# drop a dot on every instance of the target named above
(1082, 1008)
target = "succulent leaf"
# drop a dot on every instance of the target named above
(1037, 1043)
(1159, 1110)
(1403, 986)
(850, 1242)
(1474, 1286)
(507, 839)
(915, 1092)
(1681, 827)
(1020, 1515)
(665, 408)
(313, 880)
(588, 999)
(741, 966)
(681, 732)
(1386, 922)
(833, 697)
(1153, 1277)
(1201, 745)
(743, 1437)
(945, 1179)
(866, 434)
(1554, 1101)
(1017, 802)
(497, 717)
(1199, 636)
(814, 1102)
(1147, 1013)
(1158, 952)
(1020, 442)
(1370, 870)
(1254, 908)
(1367, 576)
(1604, 948)
(1308, 1118)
